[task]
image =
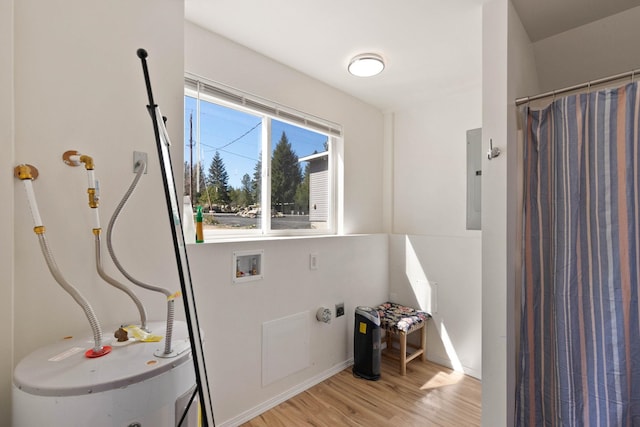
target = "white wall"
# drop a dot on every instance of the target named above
(508, 72)
(495, 296)
(78, 85)
(363, 125)
(353, 269)
(432, 255)
(6, 207)
(600, 49)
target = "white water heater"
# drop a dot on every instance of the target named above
(57, 385)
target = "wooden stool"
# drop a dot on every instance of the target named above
(398, 321)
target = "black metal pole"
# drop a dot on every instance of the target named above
(191, 158)
(197, 350)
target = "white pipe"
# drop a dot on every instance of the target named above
(91, 178)
(33, 205)
(96, 214)
(75, 158)
(96, 219)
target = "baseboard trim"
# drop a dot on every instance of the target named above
(283, 397)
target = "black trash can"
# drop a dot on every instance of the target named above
(366, 344)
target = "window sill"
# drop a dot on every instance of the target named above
(262, 238)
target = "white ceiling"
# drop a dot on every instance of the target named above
(430, 46)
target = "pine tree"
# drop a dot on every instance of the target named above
(235, 197)
(285, 174)
(302, 193)
(187, 180)
(218, 181)
(246, 191)
(256, 182)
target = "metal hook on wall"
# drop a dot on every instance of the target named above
(493, 151)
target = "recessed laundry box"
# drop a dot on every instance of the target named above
(57, 385)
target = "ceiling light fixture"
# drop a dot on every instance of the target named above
(366, 65)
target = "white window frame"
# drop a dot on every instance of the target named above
(203, 89)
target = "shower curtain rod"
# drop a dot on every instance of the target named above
(588, 84)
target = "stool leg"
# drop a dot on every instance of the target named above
(403, 353)
(423, 342)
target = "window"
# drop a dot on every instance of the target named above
(257, 168)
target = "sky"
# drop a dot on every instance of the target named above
(236, 136)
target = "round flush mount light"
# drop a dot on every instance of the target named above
(366, 65)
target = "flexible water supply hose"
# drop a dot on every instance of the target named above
(88, 310)
(73, 158)
(27, 173)
(113, 282)
(141, 166)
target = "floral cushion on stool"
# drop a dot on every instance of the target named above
(396, 316)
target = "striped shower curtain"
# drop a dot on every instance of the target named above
(580, 330)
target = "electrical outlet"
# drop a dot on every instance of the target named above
(340, 309)
(138, 158)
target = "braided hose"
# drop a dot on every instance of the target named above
(113, 282)
(88, 311)
(74, 158)
(170, 301)
(170, 320)
(27, 173)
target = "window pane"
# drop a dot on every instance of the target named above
(226, 141)
(229, 164)
(299, 178)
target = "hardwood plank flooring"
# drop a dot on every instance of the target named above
(429, 395)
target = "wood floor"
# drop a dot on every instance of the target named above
(429, 395)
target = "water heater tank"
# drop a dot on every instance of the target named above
(57, 385)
